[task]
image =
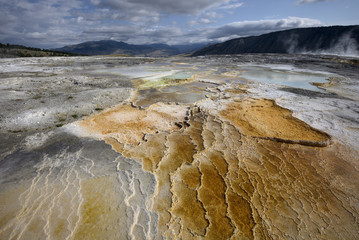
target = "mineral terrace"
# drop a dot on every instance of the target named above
(225, 147)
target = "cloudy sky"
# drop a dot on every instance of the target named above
(56, 23)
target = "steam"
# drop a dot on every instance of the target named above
(292, 43)
(344, 46)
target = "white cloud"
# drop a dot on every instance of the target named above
(311, 1)
(247, 28)
(212, 15)
(205, 18)
(231, 6)
(205, 21)
(241, 29)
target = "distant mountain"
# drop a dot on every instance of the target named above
(191, 47)
(13, 51)
(342, 40)
(108, 47)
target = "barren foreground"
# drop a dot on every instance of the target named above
(242, 147)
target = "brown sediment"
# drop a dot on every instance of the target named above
(101, 211)
(238, 175)
(185, 182)
(130, 124)
(331, 81)
(237, 91)
(265, 119)
(233, 74)
(143, 84)
(185, 94)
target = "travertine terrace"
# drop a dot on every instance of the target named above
(182, 148)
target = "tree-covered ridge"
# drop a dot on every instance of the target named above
(334, 39)
(11, 50)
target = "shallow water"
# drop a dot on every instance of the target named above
(144, 72)
(287, 77)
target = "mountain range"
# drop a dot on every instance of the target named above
(108, 47)
(338, 40)
(342, 40)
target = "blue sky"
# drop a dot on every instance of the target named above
(56, 23)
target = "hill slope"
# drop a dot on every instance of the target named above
(11, 51)
(332, 40)
(106, 47)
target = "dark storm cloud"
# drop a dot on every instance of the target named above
(164, 6)
(150, 11)
(37, 23)
(136, 34)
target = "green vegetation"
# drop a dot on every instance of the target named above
(61, 117)
(163, 83)
(175, 79)
(37, 96)
(10, 51)
(16, 131)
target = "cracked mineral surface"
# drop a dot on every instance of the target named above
(225, 147)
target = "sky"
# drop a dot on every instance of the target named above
(56, 23)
